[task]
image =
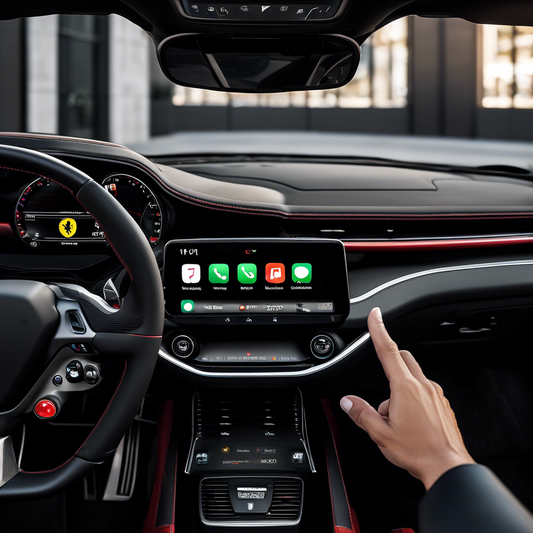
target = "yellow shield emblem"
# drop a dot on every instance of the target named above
(68, 227)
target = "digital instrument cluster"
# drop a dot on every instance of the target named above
(46, 214)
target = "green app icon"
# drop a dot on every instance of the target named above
(302, 273)
(247, 273)
(218, 273)
(187, 306)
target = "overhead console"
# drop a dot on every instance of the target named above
(256, 12)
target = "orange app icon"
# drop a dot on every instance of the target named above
(275, 272)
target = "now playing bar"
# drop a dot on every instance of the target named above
(260, 307)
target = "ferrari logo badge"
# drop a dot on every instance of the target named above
(68, 227)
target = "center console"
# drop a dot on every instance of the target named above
(251, 454)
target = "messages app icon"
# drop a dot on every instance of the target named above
(302, 273)
(247, 273)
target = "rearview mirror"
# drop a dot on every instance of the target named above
(259, 64)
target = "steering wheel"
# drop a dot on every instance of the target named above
(37, 328)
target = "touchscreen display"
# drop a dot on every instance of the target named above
(276, 278)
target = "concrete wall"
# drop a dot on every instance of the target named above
(42, 56)
(129, 82)
(12, 80)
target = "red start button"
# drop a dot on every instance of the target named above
(45, 409)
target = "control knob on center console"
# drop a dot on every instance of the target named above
(324, 345)
(183, 346)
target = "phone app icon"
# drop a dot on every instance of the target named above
(302, 273)
(247, 273)
(187, 306)
(218, 273)
(275, 272)
(190, 273)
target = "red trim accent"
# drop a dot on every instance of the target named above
(145, 336)
(397, 246)
(164, 428)
(335, 436)
(164, 529)
(93, 430)
(403, 530)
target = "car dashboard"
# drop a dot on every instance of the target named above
(271, 265)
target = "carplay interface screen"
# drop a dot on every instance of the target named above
(245, 280)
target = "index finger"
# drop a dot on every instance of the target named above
(387, 350)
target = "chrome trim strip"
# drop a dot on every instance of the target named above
(442, 270)
(352, 347)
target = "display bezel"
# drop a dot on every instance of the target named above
(342, 298)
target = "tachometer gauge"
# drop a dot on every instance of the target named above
(140, 202)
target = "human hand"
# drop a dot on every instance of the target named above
(416, 428)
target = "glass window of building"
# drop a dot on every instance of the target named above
(381, 81)
(82, 60)
(507, 67)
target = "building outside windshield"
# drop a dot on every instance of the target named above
(98, 77)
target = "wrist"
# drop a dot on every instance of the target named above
(439, 468)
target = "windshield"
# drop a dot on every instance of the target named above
(98, 77)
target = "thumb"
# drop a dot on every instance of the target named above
(364, 415)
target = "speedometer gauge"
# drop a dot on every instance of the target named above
(139, 201)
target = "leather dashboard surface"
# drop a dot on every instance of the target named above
(279, 191)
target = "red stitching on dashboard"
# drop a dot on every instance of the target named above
(93, 430)
(321, 216)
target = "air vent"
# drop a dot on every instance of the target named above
(453, 228)
(270, 409)
(216, 503)
(286, 500)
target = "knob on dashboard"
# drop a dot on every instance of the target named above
(183, 346)
(322, 346)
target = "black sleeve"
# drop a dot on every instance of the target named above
(471, 499)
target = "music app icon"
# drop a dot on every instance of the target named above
(190, 273)
(275, 272)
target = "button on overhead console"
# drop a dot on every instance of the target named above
(300, 12)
